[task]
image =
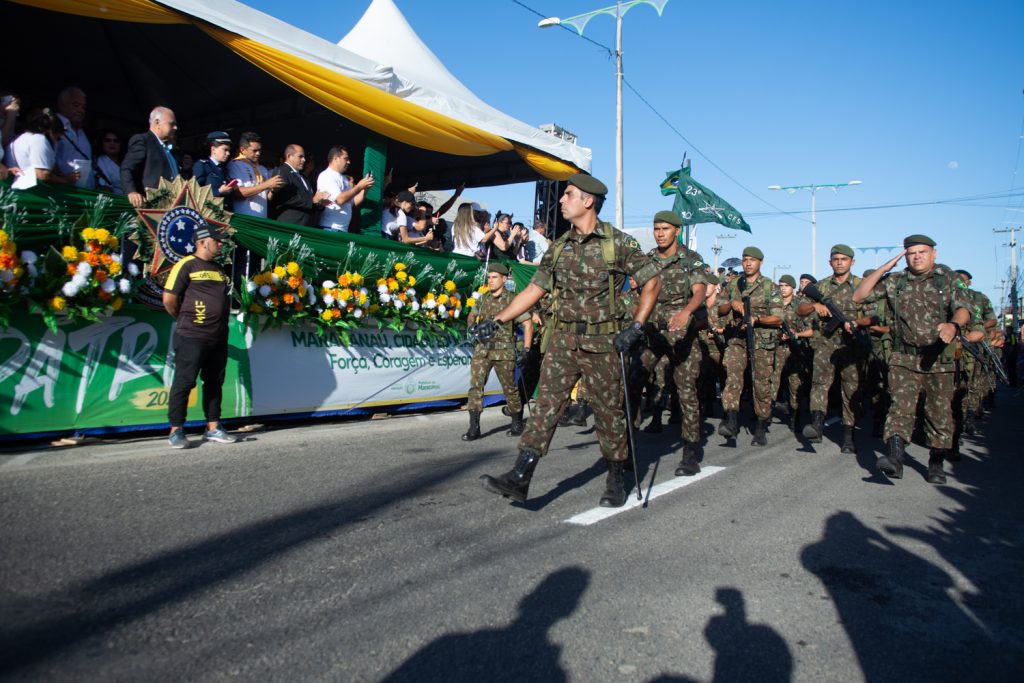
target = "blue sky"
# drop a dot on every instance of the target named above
(920, 101)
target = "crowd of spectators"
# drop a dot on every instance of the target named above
(55, 147)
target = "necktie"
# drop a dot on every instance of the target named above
(170, 159)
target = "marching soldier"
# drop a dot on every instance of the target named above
(792, 356)
(876, 375)
(928, 312)
(712, 346)
(584, 271)
(498, 353)
(765, 302)
(836, 353)
(673, 329)
(982, 378)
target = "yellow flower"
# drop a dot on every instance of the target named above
(392, 285)
(471, 302)
(89, 234)
(357, 279)
(449, 286)
(374, 308)
(345, 294)
(362, 299)
(69, 253)
(482, 289)
(430, 295)
(58, 303)
(293, 268)
(412, 281)
(325, 316)
(399, 267)
(302, 290)
(116, 303)
(442, 299)
(381, 281)
(114, 268)
(280, 272)
(401, 276)
(112, 242)
(3, 237)
(101, 235)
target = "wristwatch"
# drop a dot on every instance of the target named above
(637, 325)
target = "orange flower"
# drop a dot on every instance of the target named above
(343, 281)
(299, 306)
(275, 301)
(105, 296)
(106, 259)
(294, 282)
(336, 313)
(289, 298)
(72, 268)
(101, 275)
(93, 260)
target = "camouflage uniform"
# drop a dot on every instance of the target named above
(981, 379)
(711, 371)
(499, 353)
(920, 362)
(837, 353)
(877, 373)
(765, 300)
(583, 324)
(677, 351)
(789, 366)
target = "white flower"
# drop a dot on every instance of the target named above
(399, 303)
(70, 289)
(441, 309)
(411, 293)
(125, 285)
(29, 257)
(274, 278)
(265, 290)
(32, 270)
(458, 311)
(382, 289)
(429, 304)
(358, 313)
(329, 284)
(6, 275)
(328, 299)
(84, 269)
(415, 305)
(108, 286)
(267, 303)
(385, 297)
(80, 280)
(310, 294)
(250, 286)
(116, 258)
(364, 291)
(133, 270)
(443, 313)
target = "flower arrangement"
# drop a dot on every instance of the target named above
(13, 270)
(395, 298)
(343, 304)
(480, 291)
(281, 293)
(84, 279)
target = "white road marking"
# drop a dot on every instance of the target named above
(597, 514)
(20, 459)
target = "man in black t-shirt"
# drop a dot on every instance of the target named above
(197, 294)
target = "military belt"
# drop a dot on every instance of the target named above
(584, 328)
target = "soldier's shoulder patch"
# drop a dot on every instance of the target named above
(697, 264)
(632, 244)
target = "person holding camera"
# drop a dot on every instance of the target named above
(343, 196)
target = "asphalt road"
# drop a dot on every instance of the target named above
(368, 551)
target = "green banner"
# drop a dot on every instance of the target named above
(697, 204)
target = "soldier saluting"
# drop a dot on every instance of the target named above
(928, 311)
(584, 270)
(499, 353)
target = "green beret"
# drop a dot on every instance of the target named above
(868, 272)
(670, 217)
(842, 249)
(918, 239)
(788, 280)
(712, 279)
(499, 268)
(754, 252)
(588, 184)
(965, 273)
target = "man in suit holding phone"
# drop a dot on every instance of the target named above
(295, 202)
(149, 156)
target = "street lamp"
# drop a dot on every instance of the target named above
(717, 248)
(579, 22)
(813, 188)
(776, 269)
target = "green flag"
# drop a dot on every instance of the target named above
(697, 204)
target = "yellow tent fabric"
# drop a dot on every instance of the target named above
(371, 108)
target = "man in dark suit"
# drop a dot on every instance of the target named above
(295, 202)
(149, 156)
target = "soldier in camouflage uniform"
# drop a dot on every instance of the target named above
(876, 371)
(673, 329)
(928, 311)
(499, 353)
(585, 271)
(712, 344)
(792, 356)
(837, 353)
(981, 379)
(766, 316)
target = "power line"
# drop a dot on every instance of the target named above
(898, 205)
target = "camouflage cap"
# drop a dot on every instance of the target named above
(787, 280)
(754, 252)
(670, 217)
(868, 272)
(588, 184)
(842, 249)
(499, 268)
(918, 239)
(712, 279)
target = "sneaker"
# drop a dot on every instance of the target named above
(218, 435)
(177, 439)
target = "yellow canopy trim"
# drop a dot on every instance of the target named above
(545, 164)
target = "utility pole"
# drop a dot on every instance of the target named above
(1014, 303)
(717, 248)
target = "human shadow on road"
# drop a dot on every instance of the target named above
(40, 629)
(521, 651)
(577, 480)
(743, 651)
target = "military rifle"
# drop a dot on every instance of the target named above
(984, 354)
(836, 318)
(794, 343)
(748, 320)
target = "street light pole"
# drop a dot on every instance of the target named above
(813, 189)
(776, 269)
(579, 22)
(717, 248)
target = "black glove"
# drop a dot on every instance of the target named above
(523, 358)
(485, 331)
(627, 338)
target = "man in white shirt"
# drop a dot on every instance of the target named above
(536, 246)
(74, 152)
(254, 181)
(342, 195)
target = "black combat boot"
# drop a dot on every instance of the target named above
(688, 466)
(675, 413)
(935, 473)
(514, 483)
(654, 426)
(517, 423)
(474, 426)
(760, 433)
(576, 417)
(615, 490)
(812, 431)
(848, 445)
(730, 425)
(878, 426)
(892, 465)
